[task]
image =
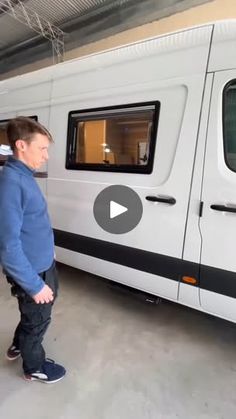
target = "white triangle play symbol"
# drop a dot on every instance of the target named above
(116, 209)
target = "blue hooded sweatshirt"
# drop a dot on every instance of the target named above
(26, 236)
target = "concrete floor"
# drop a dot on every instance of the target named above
(125, 359)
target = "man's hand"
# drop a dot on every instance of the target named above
(44, 296)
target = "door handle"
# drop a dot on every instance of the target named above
(165, 199)
(223, 208)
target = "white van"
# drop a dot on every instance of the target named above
(157, 116)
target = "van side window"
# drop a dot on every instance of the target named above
(5, 149)
(120, 139)
(229, 124)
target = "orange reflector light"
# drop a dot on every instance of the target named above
(189, 280)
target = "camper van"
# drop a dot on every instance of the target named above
(141, 180)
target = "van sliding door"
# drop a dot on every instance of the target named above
(218, 221)
(148, 257)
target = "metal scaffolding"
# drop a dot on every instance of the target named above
(17, 10)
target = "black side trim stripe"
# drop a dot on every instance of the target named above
(218, 280)
(211, 279)
(142, 260)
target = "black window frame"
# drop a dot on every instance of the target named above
(103, 167)
(233, 81)
(5, 121)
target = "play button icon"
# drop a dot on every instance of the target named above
(118, 209)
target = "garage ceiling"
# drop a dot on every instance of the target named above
(82, 21)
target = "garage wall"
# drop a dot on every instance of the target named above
(214, 10)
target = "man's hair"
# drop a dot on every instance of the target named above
(23, 128)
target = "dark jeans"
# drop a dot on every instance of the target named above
(34, 321)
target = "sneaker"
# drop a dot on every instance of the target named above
(49, 373)
(13, 353)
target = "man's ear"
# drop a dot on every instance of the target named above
(20, 145)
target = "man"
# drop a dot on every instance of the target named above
(27, 247)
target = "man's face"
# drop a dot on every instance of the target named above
(35, 153)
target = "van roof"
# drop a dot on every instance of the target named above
(186, 37)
